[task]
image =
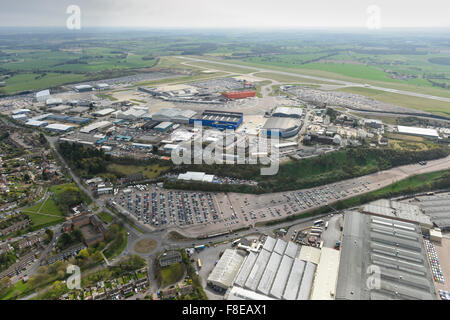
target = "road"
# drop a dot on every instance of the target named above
(340, 82)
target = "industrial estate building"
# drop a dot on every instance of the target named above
(416, 131)
(276, 270)
(174, 115)
(220, 119)
(382, 259)
(196, 176)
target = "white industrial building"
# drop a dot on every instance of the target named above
(102, 86)
(196, 176)
(43, 95)
(276, 272)
(36, 123)
(59, 127)
(19, 117)
(21, 111)
(96, 126)
(131, 114)
(103, 112)
(416, 131)
(288, 112)
(173, 115)
(325, 281)
(226, 269)
(83, 88)
(53, 102)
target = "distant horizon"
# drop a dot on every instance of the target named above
(201, 14)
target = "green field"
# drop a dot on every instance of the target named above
(44, 214)
(433, 106)
(346, 72)
(149, 172)
(172, 274)
(105, 217)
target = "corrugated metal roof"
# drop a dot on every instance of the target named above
(227, 268)
(291, 249)
(269, 244)
(294, 280)
(269, 273)
(280, 281)
(246, 269)
(257, 270)
(280, 246)
(307, 281)
(326, 276)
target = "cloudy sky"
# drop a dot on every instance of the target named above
(226, 13)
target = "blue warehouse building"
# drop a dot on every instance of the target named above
(220, 119)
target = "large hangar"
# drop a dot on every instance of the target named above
(288, 112)
(394, 249)
(220, 119)
(284, 127)
(276, 272)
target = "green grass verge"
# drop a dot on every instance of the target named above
(172, 274)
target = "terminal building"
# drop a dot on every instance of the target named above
(220, 119)
(288, 112)
(283, 127)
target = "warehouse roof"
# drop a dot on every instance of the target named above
(227, 268)
(324, 287)
(294, 280)
(304, 291)
(436, 207)
(104, 112)
(257, 270)
(276, 275)
(398, 210)
(280, 123)
(291, 249)
(95, 126)
(36, 123)
(418, 131)
(279, 283)
(392, 247)
(280, 246)
(59, 127)
(310, 254)
(246, 269)
(196, 176)
(292, 112)
(269, 244)
(269, 274)
(237, 293)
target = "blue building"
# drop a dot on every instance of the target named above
(220, 119)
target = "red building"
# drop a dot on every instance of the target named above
(239, 94)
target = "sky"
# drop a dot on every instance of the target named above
(227, 13)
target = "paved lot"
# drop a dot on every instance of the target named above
(443, 252)
(197, 214)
